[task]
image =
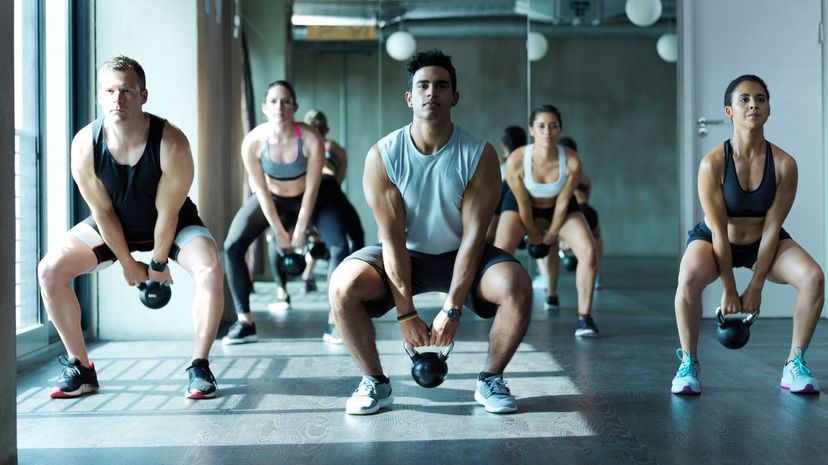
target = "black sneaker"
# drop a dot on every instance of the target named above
(310, 285)
(240, 333)
(551, 303)
(75, 379)
(586, 327)
(202, 382)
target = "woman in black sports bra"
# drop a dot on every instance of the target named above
(284, 161)
(746, 187)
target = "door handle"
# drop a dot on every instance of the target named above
(703, 122)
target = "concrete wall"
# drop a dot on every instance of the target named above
(267, 31)
(624, 120)
(191, 61)
(8, 402)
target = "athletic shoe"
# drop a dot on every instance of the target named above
(331, 335)
(551, 303)
(202, 382)
(797, 378)
(369, 397)
(493, 394)
(310, 286)
(282, 302)
(686, 381)
(586, 327)
(75, 379)
(240, 333)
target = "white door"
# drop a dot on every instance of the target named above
(781, 44)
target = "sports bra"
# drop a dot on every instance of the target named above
(741, 203)
(285, 171)
(541, 190)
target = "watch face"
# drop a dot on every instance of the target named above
(453, 313)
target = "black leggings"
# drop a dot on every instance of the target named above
(250, 222)
(350, 217)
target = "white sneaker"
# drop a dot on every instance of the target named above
(369, 397)
(797, 378)
(686, 381)
(493, 394)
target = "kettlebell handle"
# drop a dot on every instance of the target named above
(748, 320)
(414, 355)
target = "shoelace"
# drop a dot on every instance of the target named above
(366, 387)
(497, 385)
(69, 370)
(799, 368)
(202, 373)
(687, 367)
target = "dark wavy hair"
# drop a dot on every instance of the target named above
(431, 57)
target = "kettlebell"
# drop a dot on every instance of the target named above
(429, 369)
(568, 260)
(733, 331)
(153, 294)
(293, 262)
(318, 250)
(538, 250)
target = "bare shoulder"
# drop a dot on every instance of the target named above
(309, 132)
(515, 160)
(782, 158)
(173, 138)
(254, 139)
(82, 142)
(572, 157)
(713, 161)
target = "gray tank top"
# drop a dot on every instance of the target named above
(432, 186)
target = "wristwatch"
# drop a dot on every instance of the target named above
(452, 313)
(155, 265)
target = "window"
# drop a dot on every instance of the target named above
(26, 128)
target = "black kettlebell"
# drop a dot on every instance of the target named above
(293, 263)
(153, 294)
(538, 250)
(429, 369)
(568, 260)
(318, 250)
(733, 331)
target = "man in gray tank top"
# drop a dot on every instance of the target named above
(432, 186)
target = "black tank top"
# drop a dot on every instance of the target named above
(132, 188)
(741, 203)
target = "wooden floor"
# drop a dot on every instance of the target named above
(604, 401)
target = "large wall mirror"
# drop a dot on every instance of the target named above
(616, 93)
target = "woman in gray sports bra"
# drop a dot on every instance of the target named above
(284, 161)
(542, 177)
(746, 187)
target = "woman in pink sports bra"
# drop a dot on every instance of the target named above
(284, 161)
